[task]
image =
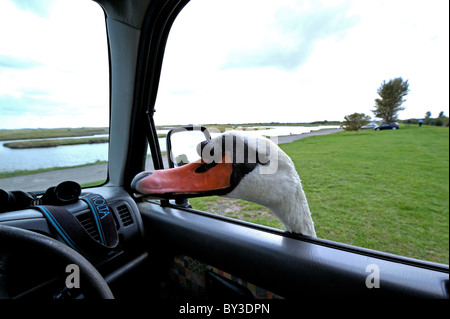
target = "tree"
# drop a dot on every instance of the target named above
(441, 120)
(355, 121)
(391, 99)
(427, 119)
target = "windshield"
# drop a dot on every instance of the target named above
(54, 94)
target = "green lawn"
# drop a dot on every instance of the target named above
(386, 190)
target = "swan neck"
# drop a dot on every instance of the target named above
(294, 213)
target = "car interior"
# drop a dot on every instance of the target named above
(126, 246)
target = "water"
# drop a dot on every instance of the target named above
(36, 158)
(72, 155)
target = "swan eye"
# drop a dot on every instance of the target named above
(205, 167)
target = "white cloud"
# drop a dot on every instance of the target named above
(232, 60)
(68, 68)
(291, 35)
(332, 69)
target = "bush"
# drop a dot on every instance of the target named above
(440, 121)
(355, 121)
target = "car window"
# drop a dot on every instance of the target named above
(283, 68)
(54, 94)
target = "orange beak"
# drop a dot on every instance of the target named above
(194, 179)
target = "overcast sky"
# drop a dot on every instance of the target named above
(53, 64)
(230, 61)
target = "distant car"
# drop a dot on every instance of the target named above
(388, 126)
(371, 125)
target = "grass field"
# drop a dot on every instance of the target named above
(386, 190)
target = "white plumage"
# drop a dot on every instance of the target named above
(237, 165)
(275, 185)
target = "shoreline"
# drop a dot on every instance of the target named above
(23, 134)
(54, 143)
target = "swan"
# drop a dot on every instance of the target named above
(237, 165)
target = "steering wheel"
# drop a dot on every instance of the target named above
(93, 284)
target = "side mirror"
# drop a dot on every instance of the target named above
(182, 149)
(182, 144)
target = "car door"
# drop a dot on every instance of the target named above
(199, 255)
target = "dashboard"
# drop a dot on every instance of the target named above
(30, 270)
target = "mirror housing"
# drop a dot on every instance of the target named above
(182, 144)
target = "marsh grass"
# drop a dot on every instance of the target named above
(55, 142)
(386, 190)
(22, 134)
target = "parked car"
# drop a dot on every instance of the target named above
(371, 125)
(388, 126)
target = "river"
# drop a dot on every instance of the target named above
(72, 155)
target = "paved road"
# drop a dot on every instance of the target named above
(41, 181)
(86, 174)
(291, 138)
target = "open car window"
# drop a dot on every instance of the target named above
(302, 66)
(54, 94)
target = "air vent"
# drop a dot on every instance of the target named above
(125, 215)
(88, 223)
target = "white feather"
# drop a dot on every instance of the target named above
(275, 185)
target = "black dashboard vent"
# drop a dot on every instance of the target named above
(88, 223)
(125, 215)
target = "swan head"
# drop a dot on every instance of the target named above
(236, 165)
